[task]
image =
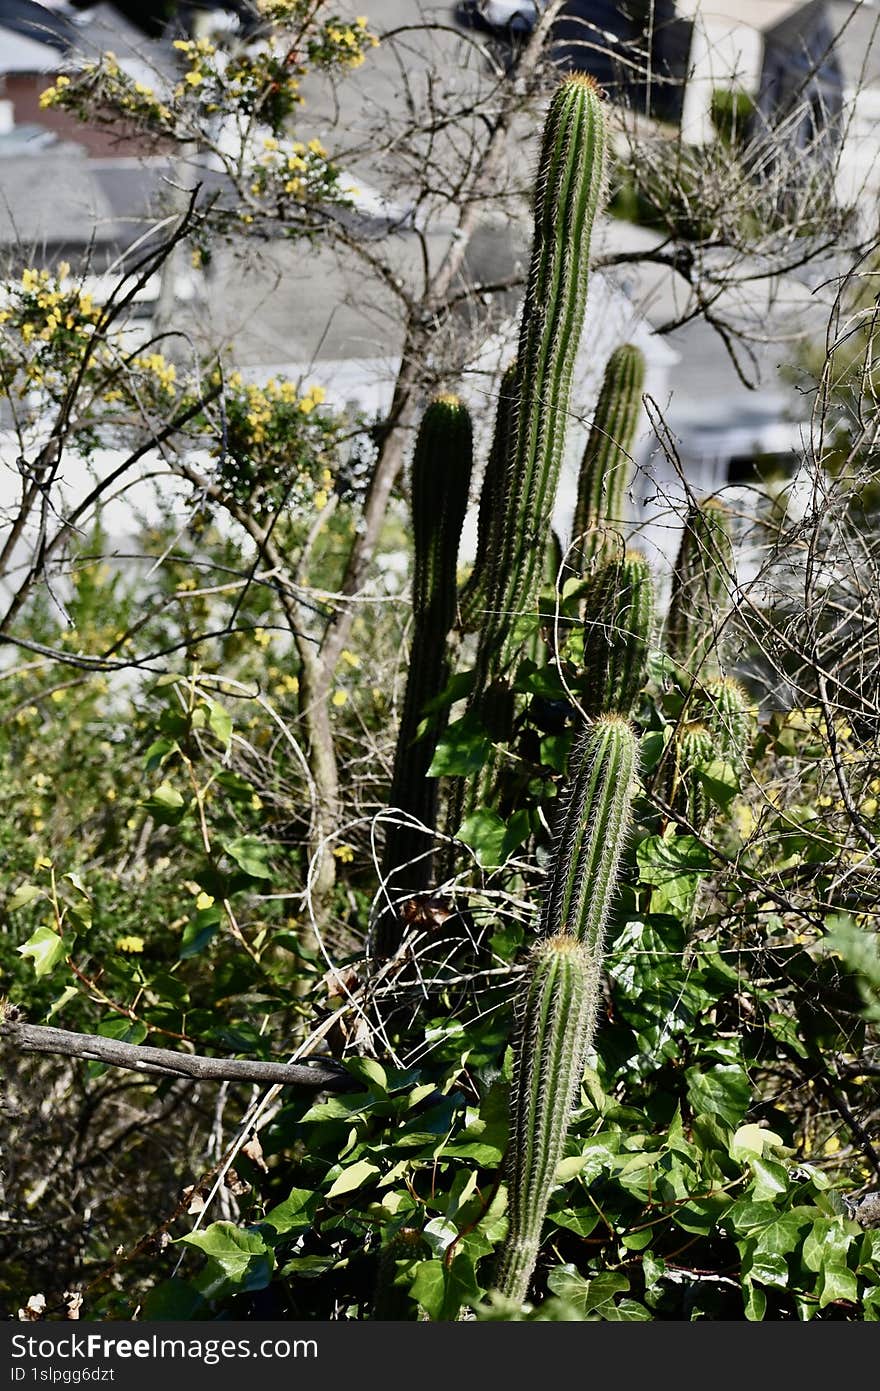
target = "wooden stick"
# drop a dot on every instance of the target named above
(33, 1038)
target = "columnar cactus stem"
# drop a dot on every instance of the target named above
(558, 1006)
(473, 598)
(694, 748)
(701, 585)
(556, 1014)
(723, 705)
(606, 467)
(570, 184)
(440, 478)
(592, 831)
(618, 626)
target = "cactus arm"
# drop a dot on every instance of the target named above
(618, 627)
(440, 479)
(570, 185)
(556, 1014)
(701, 583)
(606, 470)
(591, 834)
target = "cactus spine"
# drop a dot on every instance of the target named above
(618, 626)
(557, 1008)
(606, 467)
(556, 1014)
(441, 473)
(570, 185)
(700, 587)
(473, 598)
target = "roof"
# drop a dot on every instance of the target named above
(20, 54)
(757, 14)
(855, 34)
(34, 21)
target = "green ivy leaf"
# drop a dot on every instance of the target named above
(250, 854)
(219, 721)
(491, 839)
(442, 1291)
(719, 1091)
(165, 804)
(46, 949)
(355, 1176)
(461, 750)
(238, 1260)
(586, 1295)
(24, 895)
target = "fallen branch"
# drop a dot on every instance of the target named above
(34, 1038)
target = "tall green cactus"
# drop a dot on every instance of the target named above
(558, 1006)
(701, 583)
(618, 626)
(606, 467)
(473, 599)
(441, 473)
(556, 1014)
(570, 185)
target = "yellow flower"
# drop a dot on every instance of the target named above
(320, 500)
(345, 853)
(194, 77)
(130, 944)
(316, 147)
(204, 901)
(339, 698)
(261, 637)
(350, 658)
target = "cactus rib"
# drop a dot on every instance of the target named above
(591, 833)
(473, 598)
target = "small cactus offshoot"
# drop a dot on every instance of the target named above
(618, 627)
(701, 585)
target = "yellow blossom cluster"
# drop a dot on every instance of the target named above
(101, 90)
(293, 169)
(348, 43)
(163, 372)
